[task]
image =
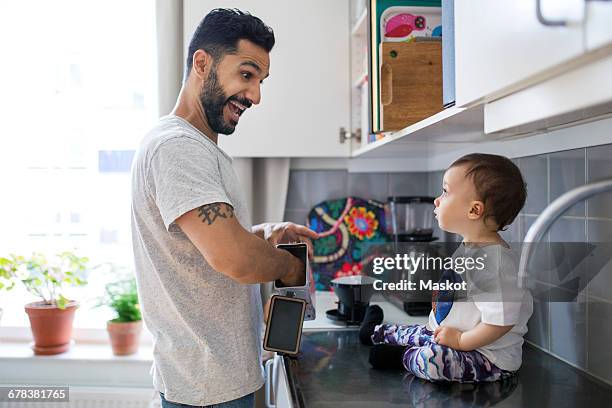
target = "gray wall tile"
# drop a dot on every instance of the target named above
(538, 325)
(539, 263)
(567, 171)
(435, 183)
(568, 330)
(511, 234)
(325, 185)
(408, 184)
(600, 262)
(297, 216)
(296, 193)
(535, 173)
(568, 266)
(525, 222)
(599, 335)
(373, 186)
(568, 230)
(599, 162)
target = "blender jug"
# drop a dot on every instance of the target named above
(411, 218)
(410, 223)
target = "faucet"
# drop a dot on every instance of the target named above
(551, 214)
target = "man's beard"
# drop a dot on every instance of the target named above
(213, 100)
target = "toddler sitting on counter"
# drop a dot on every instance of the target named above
(477, 337)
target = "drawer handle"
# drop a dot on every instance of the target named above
(268, 370)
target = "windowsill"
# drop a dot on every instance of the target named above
(85, 364)
(90, 361)
(23, 334)
(82, 352)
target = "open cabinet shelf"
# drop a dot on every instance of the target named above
(449, 129)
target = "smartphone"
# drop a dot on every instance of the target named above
(306, 291)
(284, 325)
(300, 251)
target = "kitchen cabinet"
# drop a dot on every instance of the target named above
(523, 68)
(305, 101)
(501, 46)
(581, 91)
(598, 25)
(573, 96)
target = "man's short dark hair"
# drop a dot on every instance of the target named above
(219, 32)
(499, 184)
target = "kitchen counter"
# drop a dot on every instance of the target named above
(327, 300)
(333, 371)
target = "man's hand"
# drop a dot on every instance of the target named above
(448, 336)
(286, 232)
(296, 275)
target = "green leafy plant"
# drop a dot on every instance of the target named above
(46, 278)
(122, 297)
(7, 281)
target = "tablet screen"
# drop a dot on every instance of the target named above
(285, 325)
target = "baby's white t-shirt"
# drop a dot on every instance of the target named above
(494, 297)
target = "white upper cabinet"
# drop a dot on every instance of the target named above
(598, 27)
(306, 99)
(502, 46)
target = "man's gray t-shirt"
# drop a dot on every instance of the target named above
(206, 327)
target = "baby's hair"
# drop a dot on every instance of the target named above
(499, 184)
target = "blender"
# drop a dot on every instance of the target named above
(411, 228)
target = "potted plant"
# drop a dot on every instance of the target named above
(51, 317)
(124, 330)
(6, 279)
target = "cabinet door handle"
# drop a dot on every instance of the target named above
(544, 21)
(386, 73)
(269, 383)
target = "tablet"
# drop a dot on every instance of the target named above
(284, 326)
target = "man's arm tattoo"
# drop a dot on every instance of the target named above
(210, 212)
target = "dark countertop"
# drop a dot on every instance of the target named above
(333, 371)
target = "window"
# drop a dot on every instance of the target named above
(78, 83)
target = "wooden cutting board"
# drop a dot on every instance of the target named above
(411, 82)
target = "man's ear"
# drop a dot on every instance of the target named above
(201, 63)
(476, 210)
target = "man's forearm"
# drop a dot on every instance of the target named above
(257, 261)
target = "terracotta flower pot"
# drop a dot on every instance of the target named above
(51, 327)
(124, 336)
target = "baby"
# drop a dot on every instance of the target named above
(476, 335)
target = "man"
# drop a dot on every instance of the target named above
(198, 260)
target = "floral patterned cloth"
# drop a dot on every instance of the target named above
(346, 225)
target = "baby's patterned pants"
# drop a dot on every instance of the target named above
(431, 361)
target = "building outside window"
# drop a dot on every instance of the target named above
(78, 92)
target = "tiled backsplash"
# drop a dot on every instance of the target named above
(309, 187)
(578, 332)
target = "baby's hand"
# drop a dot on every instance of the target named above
(448, 336)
